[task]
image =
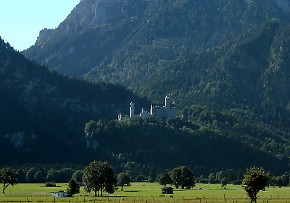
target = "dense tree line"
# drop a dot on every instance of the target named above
(123, 176)
(99, 177)
(177, 142)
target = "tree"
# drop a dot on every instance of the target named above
(123, 179)
(212, 178)
(77, 175)
(164, 179)
(39, 177)
(30, 175)
(99, 176)
(176, 177)
(65, 174)
(223, 178)
(8, 176)
(183, 176)
(73, 187)
(255, 179)
(51, 177)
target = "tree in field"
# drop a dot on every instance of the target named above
(123, 179)
(182, 176)
(164, 179)
(99, 176)
(176, 177)
(73, 188)
(255, 179)
(8, 176)
(223, 177)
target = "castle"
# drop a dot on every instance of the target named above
(168, 111)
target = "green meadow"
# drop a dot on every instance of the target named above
(147, 193)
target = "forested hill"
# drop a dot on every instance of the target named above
(228, 128)
(252, 70)
(235, 95)
(112, 35)
(42, 114)
(233, 88)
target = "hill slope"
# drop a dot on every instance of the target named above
(239, 89)
(237, 92)
(43, 113)
(217, 139)
(115, 35)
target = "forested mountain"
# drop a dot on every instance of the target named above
(115, 35)
(226, 64)
(42, 114)
(252, 70)
(238, 90)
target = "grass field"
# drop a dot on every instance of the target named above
(146, 193)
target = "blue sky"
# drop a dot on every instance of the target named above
(21, 20)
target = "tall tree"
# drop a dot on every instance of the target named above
(73, 187)
(8, 176)
(99, 176)
(123, 179)
(183, 176)
(255, 179)
(164, 179)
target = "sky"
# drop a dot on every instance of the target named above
(21, 20)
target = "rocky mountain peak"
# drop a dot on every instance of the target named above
(93, 13)
(43, 35)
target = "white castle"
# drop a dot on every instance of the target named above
(168, 111)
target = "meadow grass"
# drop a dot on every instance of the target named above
(146, 193)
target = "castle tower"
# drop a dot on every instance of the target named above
(167, 102)
(132, 110)
(151, 110)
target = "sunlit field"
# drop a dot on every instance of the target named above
(147, 193)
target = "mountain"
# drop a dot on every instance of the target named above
(235, 96)
(239, 89)
(250, 71)
(224, 62)
(48, 118)
(103, 37)
(224, 95)
(43, 113)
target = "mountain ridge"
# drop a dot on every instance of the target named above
(91, 40)
(232, 87)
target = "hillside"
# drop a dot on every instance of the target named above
(112, 36)
(226, 64)
(46, 112)
(239, 89)
(43, 113)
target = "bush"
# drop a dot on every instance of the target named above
(50, 184)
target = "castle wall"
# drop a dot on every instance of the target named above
(168, 111)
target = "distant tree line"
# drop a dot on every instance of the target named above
(44, 173)
(159, 144)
